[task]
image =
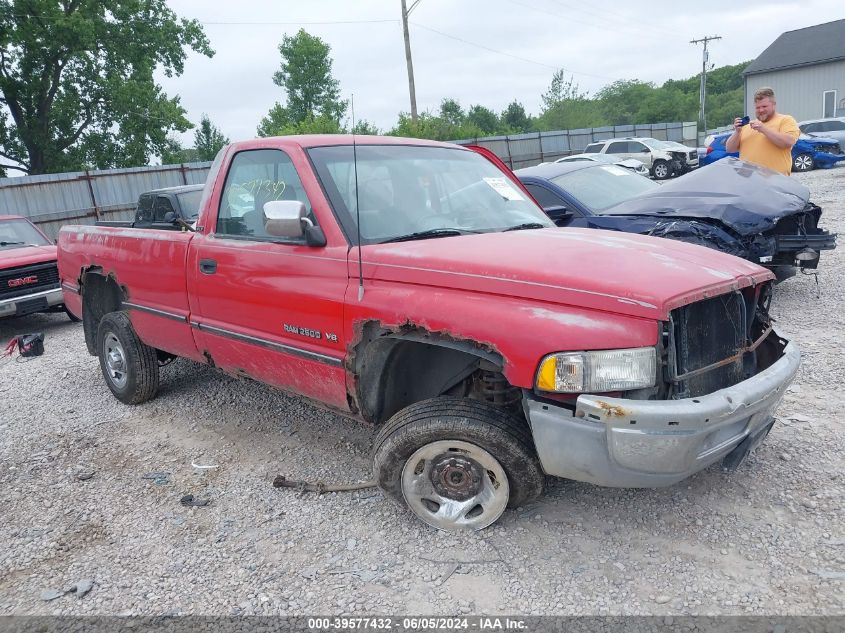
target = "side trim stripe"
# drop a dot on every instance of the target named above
(70, 288)
(161, 313)
(254, 340)
(278, 347)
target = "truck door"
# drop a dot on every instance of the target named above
(267, 307)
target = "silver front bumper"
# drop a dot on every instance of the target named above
(652, 443)
(9, 307)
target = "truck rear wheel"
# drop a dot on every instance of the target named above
(129, 366)
(456, 463)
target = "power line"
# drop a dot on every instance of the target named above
(569, 18)
(605, 14)
(498, 52)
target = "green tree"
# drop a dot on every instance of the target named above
(483, 118)
(561, 89)
(723, 107)
(306, 76)
(277, 119)
(208, 140)
(571, 115)
(513, 119)
(565, 106)
(725, 94)
(426, 126)
(365, 127)
(451, 112)
(620, 103)
(173, 153)
(438, 128)
(77, 79)
(278, 122)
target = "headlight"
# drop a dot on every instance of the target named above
(598, 372)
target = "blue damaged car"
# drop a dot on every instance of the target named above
(809, 152)
(732, 206)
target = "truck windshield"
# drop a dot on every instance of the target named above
(20, 232)
(407, 190)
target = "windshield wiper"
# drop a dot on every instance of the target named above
(10, 243)
(424, 235)
(526, 225)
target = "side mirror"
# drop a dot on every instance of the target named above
(171, 217)
(559, 214)
(645, 150)
(287, 218)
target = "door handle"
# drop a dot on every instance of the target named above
(208, 266)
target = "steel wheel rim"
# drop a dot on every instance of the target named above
(485, 502)
(115, 361)
(802, 162)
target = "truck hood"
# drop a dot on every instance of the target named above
(622, 273)
(747, 198)
(11, 257)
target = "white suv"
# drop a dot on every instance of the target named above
(664, 159)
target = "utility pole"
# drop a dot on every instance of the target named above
(405, 14)
(704, 58)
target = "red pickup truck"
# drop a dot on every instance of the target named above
(29, 278)
(417, 285)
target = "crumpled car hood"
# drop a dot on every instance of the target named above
(690, 230)
(747, 198)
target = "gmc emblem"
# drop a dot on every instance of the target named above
(22, 281)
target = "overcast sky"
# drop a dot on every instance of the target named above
(486, 52)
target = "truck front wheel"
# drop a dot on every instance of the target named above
(456, 463)
(661, 170)
(129, 366)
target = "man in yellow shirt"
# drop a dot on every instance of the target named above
(768, 139)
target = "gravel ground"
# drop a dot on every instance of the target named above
(90, 490)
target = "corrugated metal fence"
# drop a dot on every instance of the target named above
(526, 150)
(84, 197)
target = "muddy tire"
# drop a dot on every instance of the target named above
(129, 366)
(456, 463)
